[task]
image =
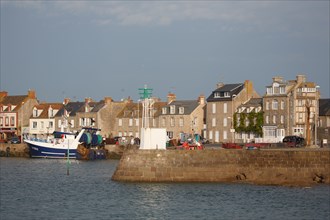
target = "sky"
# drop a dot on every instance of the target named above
(78, 49)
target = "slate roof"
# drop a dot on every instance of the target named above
(253, 102)
(324, 107)
(130, 108)
(188, 105)
(71, 107)
(232, 89)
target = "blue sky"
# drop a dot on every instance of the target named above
(94, 49)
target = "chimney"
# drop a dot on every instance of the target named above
(249, 88)
(301, 78)
(88, 100)
(201, 99)
(220, 84)
(171, 97)
(66, 101)
(278, 79)
(31, 94)
(3, 94)
(107, 100)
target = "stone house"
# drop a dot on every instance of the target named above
(129, 119)
(183, 116)
(221, 105)
(248, 121)
(101, 115)
(323, 129)
(42, 120)
(15, 112)
(285, 105)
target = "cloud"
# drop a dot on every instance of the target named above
(252, 15)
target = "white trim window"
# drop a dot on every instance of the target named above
(214, 122)
(181, 110)
(225, 107)
(214, 108)
(172, 109)
(120, 122)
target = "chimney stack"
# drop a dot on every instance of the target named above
(66, 101)
(31, 94)
(201, 99)
(171, 97)
(107, 100)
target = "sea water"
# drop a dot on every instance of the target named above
(42, 189)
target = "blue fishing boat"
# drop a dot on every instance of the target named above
(62, 144)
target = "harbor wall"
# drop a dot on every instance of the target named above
(267, 167)
(14, 150)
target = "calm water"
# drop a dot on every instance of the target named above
(41, 189)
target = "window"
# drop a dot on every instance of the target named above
(282, 90)
(274, 119)
(216, 95)
(213, 122)
(210, 135)
(163, 122)
(227, 94)
(275, 104)
(35, 112)
(120, 122)
(1, 121)
(12, 121)
(181, 122)
(72, 123)
(164, 111)
(213, 108)
(181, 110)
(267, 119)
(172, 122)
(172, 109)
(59, 123)
(225, 122)
(130, 122)
(35, 125)
(51, 112)
(225, 135)
(50, 124)
(282, 105)
(7, 121)
(137, 121)
(225, 107)
(120, 134)
(282, 119)
(267, 105)
(269, 91)
(42, 125)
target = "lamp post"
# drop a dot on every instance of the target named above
(232, 118)
(316, 112)
(22, 122)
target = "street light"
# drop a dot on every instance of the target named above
(316, 112)
(232, 130)
(22, 122)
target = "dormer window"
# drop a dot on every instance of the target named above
(86, 108)
(50, 112)
(172, 109)
(181, 110)
(227, 94)
(164, 111)
(217, 95)
(35, 112)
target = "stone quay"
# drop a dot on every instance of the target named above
(289, 167)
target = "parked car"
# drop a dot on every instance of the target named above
(294, 141)
(15, 140)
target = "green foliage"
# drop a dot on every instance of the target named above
(255, 122)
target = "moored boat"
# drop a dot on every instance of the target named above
(62, 145)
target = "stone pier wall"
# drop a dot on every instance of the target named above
(267, 167)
